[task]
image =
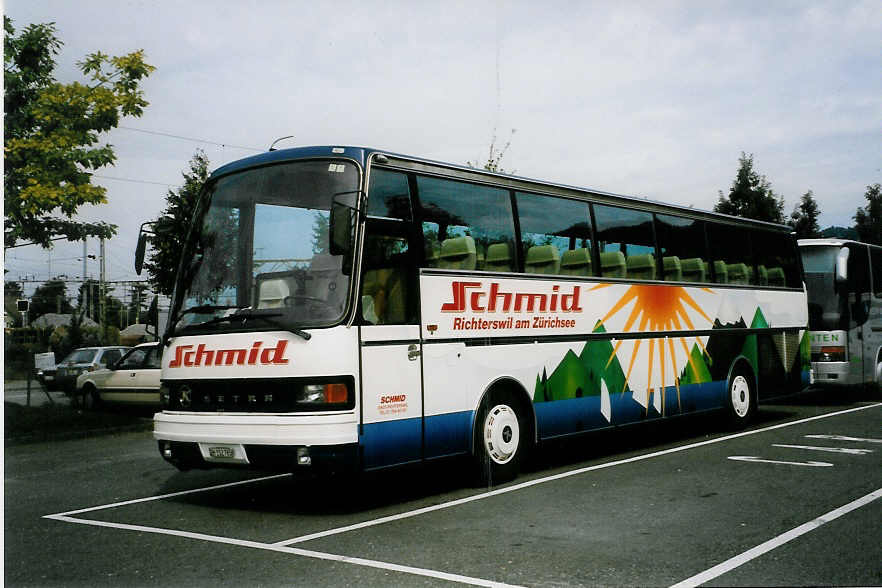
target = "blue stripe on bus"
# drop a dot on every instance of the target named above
(391, 442)
(396, 442)
(564, 417)
(449, 434)
(399, 441)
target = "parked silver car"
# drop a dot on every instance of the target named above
(85, 359)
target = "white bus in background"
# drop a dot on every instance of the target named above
(346, 308)
(844, 285)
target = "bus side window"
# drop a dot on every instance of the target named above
(682, 247)
(555, 235)
(460, 223)
(630, 233)
(389, 283)
(730, 250)
(776, 261)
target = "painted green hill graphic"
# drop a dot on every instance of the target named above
(696, 370)
(805, 352)
(759, 320)
(580, 375)
(749, 350)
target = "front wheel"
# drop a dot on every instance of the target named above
(500, 439)
(90, 398)
(740, 399)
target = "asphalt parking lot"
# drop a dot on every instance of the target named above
(794, 500)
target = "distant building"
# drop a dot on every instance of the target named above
(52, 320)
(134, 334)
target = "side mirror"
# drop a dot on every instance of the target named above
(142, 245)
(842, 266)
(153, 317)
(139, 253)
(341, 225)
(340, 229)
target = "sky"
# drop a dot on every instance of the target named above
(653, 99)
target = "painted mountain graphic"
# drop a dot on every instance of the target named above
(724, 344)
(577, 376)
(696, 370)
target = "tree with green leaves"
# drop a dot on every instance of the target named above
(321, 227)
(171, 228)
(868, 219)
(52, 134)
(49, 297)
(13, 289)
(804, 218)
(751, 195)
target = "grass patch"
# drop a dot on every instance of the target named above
(24, 424)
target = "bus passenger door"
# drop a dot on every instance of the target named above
(392, 400)
(391, 361)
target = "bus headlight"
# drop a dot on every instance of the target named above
(164, 395)
(332, 393)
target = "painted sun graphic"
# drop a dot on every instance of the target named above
(662, 309)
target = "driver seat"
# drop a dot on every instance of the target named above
(271, 293)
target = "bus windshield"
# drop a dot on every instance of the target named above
(827, 303)
(259, 253)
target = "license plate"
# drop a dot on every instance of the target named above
(48, 378)
(222, 452)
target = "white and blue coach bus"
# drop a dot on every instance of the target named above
(348, 308)
(844, 287)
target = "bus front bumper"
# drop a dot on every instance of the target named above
(269, 442)
(830, 373)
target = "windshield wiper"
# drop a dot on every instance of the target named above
(245, 314)
(204, 308)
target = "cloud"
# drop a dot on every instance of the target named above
(645, 98)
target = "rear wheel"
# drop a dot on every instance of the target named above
(740, 398)
(500, 438)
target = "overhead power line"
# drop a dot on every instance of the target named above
(136, 181)
(194, 140)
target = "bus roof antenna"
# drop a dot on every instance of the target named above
(272, 146)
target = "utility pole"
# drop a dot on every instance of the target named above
(84, 302)
(103, 288)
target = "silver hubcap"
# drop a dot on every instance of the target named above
(740, 396)
(501, 434)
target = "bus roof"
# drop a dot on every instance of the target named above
(363, 154)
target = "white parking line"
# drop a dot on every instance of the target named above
(738, 560)
(844, 438)
(849, 450)
(291, 550)
(163, 496)
(282, 546)
(754, 459)
(530, 483)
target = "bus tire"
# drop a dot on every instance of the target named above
(740, 398)
(500, 438)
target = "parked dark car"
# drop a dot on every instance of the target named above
(46, 377)
(85, 359)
